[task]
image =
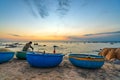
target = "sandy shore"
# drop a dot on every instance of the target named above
(20, 70)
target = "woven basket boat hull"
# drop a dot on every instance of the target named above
(44, 60)
(6, 56)
(21, 55)
(86, 61)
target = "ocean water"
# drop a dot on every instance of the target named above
(64, 47)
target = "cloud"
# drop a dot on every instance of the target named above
(15, 35)
(84, 3)
(39, 5)
(106, 36)
(63, 7)
(28, 3)
(112, 33)
(114, 37)
(88, 34)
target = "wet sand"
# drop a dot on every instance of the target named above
(21, 70)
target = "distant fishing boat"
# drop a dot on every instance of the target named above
(35, 43)
(6, 56)
(44, 60)
(86, 60)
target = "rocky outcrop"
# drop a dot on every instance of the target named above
(110, 53)
(117, 53)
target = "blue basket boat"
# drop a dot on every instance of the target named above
(86, 60)
(6, 56)
(46, 60)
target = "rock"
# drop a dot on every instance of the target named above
(104, 52)
(111, 54)
(117, 51)
(113, 59)
(116, 61)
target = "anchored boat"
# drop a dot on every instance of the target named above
(6, 56)
(42, 60)
(86, 60)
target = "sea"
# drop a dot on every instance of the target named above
(64, 47)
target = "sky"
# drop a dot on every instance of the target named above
(74, 20)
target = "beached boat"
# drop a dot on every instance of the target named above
(86, 60)
(6, 56)
(21, 55)
(46, 60)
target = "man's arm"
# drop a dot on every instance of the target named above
(31, 47)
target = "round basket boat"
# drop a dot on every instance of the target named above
(86, 60)
(6, 56)
(21, 55)
(46, 60)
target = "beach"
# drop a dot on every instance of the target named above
(59, 35)
(21, 70)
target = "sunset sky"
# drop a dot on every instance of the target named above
(77, 20)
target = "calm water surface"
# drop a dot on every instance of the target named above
(64, 47)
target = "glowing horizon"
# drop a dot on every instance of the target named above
(54, 20)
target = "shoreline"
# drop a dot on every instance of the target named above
(21, 70)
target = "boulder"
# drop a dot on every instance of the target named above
(104, 52)
(111, 54)
(117, 51)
